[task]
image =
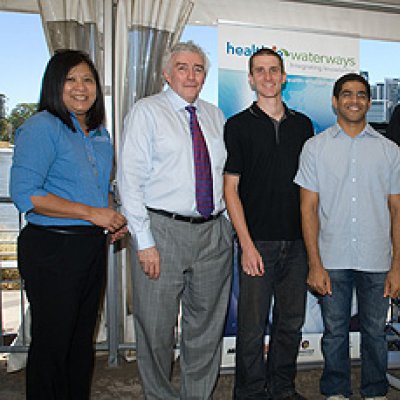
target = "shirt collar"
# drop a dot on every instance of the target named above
(177, 102)
(76, 123)
(255, 110)
(367, 131)
(93, 132)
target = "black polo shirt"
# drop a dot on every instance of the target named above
(265, 154)
(393, 129)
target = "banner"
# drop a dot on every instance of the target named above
(313, 62)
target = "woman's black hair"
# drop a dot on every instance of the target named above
(51, 95)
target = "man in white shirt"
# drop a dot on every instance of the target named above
(170, 180)
(350, 204)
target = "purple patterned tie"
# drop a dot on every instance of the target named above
(202, 167)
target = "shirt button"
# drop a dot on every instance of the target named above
(354, 180)
(354, 240)
(353, 199)
(354, 219)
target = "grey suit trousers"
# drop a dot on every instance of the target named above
(196, 266)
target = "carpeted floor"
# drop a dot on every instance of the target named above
(123, 383)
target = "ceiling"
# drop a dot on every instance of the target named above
(378, 19)
(380, 5)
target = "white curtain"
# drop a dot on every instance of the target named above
(74, 24)
(144, 30)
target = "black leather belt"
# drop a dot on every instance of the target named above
(86, 230)
(178, 217)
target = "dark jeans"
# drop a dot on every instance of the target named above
(372, 312)
(64, 276)
(284, 280)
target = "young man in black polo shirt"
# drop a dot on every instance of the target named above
(263, 143)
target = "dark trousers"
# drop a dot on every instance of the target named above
(285, 281)
(64, 276)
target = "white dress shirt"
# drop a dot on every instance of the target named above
(156, 167)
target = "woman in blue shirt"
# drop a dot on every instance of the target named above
(60, 179)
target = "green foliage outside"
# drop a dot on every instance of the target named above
(4, 130)
(18, 115)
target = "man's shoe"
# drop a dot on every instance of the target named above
(337, 397)
(376, 398)
(294, 396)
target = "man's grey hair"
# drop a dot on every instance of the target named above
(180, 48)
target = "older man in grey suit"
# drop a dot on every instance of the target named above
(170, 178)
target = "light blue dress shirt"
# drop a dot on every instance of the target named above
(353, 177)
(156, 166)
(51, 158)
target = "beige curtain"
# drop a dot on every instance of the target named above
(144, 30)
(74, 24)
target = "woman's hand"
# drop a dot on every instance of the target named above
(107, 218)
(119, 234)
